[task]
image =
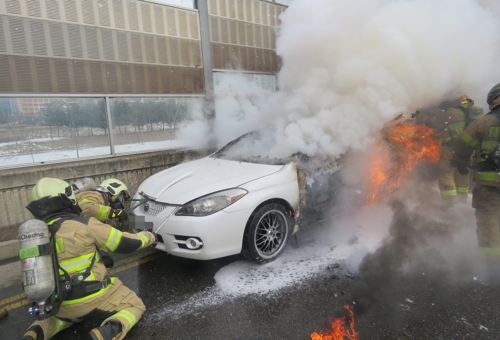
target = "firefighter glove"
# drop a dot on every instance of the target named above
(156, 239)
(118, 214)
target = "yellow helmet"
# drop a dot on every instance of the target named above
(52, 187)
(115, 187)
(463, 97)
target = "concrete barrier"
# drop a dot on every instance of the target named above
(16, 183)
(9, 249)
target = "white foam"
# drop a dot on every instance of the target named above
(321, 249)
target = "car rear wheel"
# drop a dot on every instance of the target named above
(266, 233)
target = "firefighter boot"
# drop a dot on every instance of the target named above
(109, 331)
(34, 333)
(3, 312)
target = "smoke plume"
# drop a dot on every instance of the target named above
(349, 67)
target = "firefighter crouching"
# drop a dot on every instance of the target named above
(78, 239)
(106, 202)
(483, 136)
(449, 120)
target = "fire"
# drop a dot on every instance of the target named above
(410, 144)
(341, 329)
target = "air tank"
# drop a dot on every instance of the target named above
(84, 184)
(37, 270)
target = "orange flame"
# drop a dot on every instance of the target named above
(412, 144)
(340, 329)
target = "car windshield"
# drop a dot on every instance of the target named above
(253, 147)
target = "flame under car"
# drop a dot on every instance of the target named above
(224, 204)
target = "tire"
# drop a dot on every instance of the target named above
(266, 233)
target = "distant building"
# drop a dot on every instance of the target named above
(32, 106)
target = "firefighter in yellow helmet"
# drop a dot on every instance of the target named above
(449, 119)
(93, 294)
(106, 202)
(483, 136)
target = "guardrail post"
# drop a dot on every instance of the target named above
(110, 126)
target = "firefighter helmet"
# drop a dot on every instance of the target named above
(52, 187)
(115, 187)
(494, 92)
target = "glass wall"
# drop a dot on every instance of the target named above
(142, 124)
(39, 130)
(36, 130)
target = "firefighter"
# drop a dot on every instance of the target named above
(78, 241)
(483, 136)
(449, 119)
(106, 202)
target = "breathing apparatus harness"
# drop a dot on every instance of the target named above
(492, 160)
(66, 287)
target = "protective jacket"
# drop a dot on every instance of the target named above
(483, 134)
(93, 204)
(450, 119)
(78, 241)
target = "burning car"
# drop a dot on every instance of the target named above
(240, 199)
(225, 204)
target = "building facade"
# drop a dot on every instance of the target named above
(129, 46)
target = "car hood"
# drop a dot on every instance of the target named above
(185, 182)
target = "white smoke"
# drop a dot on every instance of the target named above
(351, 66)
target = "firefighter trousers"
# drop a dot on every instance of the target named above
(486, 201)
(452, 185)
(114, 303)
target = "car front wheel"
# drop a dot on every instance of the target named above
(266, 233)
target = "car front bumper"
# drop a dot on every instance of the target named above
(200, 238)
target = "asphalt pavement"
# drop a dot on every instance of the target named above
(181, 303)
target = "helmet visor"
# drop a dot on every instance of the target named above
(119, 202)
(101, 189)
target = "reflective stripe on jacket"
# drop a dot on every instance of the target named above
(78, 242)
(93, 205)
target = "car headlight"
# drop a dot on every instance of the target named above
(212, 203)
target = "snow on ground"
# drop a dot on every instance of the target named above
(97, 151)
(35, 140)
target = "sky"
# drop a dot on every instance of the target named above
(189, 3)
(182, 3)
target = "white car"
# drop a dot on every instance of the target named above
(222, 205)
